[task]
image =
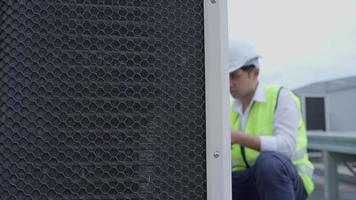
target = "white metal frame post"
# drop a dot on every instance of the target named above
(218, 150)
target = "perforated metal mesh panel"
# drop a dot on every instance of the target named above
(102, 99)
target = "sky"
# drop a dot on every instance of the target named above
(301, 41)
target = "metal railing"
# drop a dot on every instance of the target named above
(337, 148)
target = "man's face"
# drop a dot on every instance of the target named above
(242, 83)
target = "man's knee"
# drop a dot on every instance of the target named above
(270, 165)
(274, 174)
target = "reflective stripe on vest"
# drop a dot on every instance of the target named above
(299, 154)
(305, 170)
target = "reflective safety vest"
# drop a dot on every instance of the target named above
(260, 122)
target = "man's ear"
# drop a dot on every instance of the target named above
(256, 72)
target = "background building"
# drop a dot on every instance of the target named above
(330, 105)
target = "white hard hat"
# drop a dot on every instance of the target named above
(242, 54)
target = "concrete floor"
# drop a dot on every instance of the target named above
(347, 191)
(347, 186)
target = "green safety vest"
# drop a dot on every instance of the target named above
(260, 123)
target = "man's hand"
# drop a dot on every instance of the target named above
(234, 136)
(243, 139)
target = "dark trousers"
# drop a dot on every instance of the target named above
(273, 177)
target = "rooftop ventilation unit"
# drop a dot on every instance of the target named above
(114, 99)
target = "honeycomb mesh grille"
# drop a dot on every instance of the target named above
(102, 99)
